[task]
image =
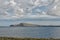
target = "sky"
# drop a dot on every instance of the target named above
(11, 9)
(29, 9)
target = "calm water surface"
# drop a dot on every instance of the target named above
(32, 32)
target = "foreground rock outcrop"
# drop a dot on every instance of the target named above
(25, 25)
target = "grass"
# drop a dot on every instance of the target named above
(11, 38)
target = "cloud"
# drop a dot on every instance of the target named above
(19, 8)
(55, 10)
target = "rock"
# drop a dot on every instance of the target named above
(25, 25)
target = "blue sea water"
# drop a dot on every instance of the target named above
(30, 32)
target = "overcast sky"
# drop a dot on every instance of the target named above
(10, 9)
(28, 9)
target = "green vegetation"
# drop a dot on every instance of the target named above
(11, 38)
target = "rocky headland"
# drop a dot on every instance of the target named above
(25, 25)
(32, 25)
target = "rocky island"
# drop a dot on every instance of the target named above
(32, 25)
(25, 25)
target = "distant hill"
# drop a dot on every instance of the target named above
(32, 25)
(25, 25)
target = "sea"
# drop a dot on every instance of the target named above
(29, 32)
